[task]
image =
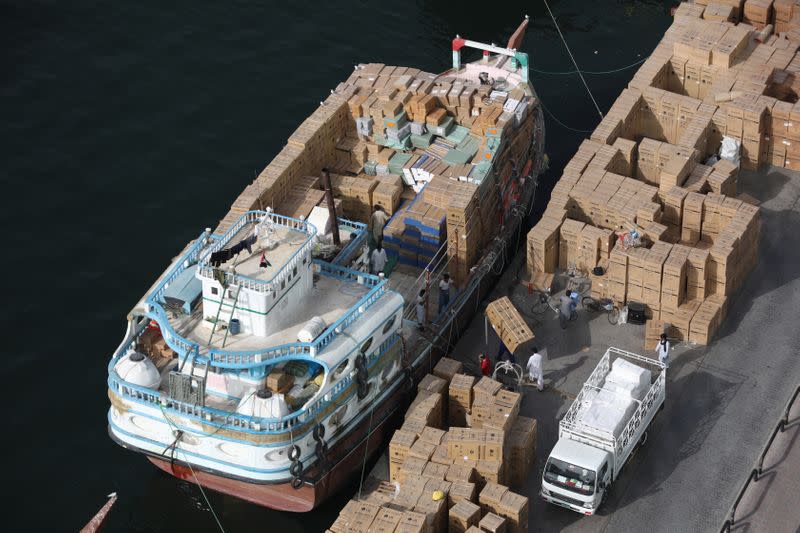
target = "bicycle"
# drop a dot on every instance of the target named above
(605, 305)
(541, 302)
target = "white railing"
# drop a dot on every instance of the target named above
(253, 217)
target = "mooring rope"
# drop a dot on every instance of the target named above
(573, 59)
(366, 450)
(590, 72)
(197, 481)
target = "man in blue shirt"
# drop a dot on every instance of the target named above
(566, 307)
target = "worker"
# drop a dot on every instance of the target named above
(444, 292)
(421, 310)
(534, 367)
(566, 307)
(486, 365)
(378, 222)
(502, 350)
(662, 350)
(378, 259)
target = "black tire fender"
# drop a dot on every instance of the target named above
(294, 453)
(321, 449)
(296, 469)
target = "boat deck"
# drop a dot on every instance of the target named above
(287, 242)
(496, 70)
(330, 299)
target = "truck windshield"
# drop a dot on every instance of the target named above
(569, 476)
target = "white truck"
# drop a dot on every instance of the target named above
(604, 424)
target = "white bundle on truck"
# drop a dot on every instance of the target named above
(627, 378)
(609, 411)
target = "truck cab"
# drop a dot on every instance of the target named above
(576, 476)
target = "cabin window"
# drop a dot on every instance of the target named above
(339, 369)
(366, 345)
(214, 290)
(389, 324)
(230, 293)
(283, 284)
(294, 271)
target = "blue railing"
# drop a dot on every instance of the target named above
(240, 360)
(256, 358)
(214, 416)
(155, 310)
(361, 236)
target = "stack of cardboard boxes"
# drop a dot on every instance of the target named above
(460, 399)
(508, 323)
(568, 249)
(152, 343)
(543, 243)
(644, 170)
(486, 448)
(520, 450)
(388, 132)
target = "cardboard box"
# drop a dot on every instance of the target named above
(278, 381)
(463, 515)
(492, 523)
(411, 522)
(462, 490)
(446, 368)
(514, 508)
(490, 497)
(433, 383)
(485, 389)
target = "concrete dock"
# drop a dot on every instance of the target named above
(723, 400)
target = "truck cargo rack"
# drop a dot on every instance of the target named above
(621, 446)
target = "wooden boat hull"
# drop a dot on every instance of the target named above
(347, 457)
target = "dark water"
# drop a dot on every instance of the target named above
(128, 127)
